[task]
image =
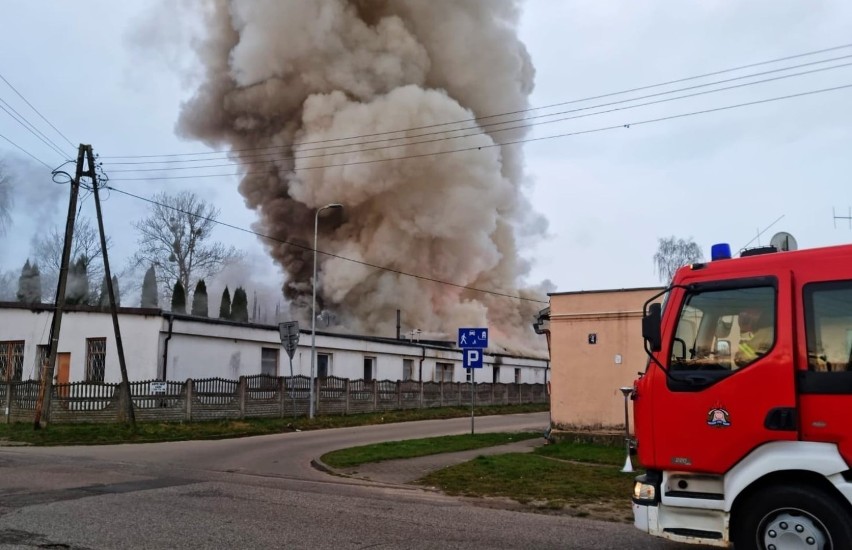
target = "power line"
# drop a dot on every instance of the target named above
(475, 119)
(27, 152)
(477, 133)
(36, 111)
(515, 142)
(330, 254)
(30, 128)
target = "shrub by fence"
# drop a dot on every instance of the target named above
(258, 396)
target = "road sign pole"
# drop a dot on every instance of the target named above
(292, 393)
(472, 396)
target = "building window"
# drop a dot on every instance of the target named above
(495, 375)
(408, 369)
(444, 372)
(517, 376)
(11, 360)
(269, 361)
(369, 368)
(95, 359)
(323, 365)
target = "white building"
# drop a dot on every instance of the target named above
(159, 345)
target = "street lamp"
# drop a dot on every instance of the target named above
(314, 309)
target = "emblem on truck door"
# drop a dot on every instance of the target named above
(718, 417)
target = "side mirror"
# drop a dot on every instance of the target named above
(651, 327)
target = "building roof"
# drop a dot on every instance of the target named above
(437, 344)
(608, 291)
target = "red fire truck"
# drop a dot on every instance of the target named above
(743, 417)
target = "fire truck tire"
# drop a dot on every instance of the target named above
(796, 516)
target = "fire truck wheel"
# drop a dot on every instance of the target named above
(797, 516)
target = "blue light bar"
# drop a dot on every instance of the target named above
(721, 251)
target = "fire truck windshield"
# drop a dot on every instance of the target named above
(723, 329)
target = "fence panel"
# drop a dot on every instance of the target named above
(85, 396)
(215, 391)
(147, 395)
(265, 396)
(388, 397)
(332, 393)
(410, 393)
(432, 394)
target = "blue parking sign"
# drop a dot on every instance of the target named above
(473, 338)
(472, 358)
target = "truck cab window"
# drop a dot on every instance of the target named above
(724, 330)
(828, 322)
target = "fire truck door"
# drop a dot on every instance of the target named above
(825, 382)
(731, 384)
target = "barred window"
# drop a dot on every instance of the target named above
(11, 360)
(95, 359)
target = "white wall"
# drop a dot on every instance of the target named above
(212, 349)
(139, 337)
(206, 349)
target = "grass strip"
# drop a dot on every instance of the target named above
(583, 489)
(392, 450)
(149, 432)
(584, 452)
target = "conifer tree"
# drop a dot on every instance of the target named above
(239, 307)
(199, 300)
(116, 291)
(150, 295)
(77, 287)
(179, 298)
(225, 305)
(29, 284)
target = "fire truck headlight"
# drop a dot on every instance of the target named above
(644, 491)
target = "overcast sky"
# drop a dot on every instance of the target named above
(607, 196)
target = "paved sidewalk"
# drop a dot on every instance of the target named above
(407, 470)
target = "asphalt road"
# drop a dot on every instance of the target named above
(261, 492)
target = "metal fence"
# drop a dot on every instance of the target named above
(253, 396)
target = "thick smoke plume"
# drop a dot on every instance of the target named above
(296, 75)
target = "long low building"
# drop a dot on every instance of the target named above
(163, 346)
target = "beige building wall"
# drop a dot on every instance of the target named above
(586, 376)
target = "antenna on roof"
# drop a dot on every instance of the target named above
(836, 217)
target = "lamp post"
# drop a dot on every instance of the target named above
(627, 391)
(314, 309)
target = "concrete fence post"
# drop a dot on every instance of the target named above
(398, 394)
(442, 392)
(189, 393)
(421, 394)
(375, 395)
(346, 397)
(8, 404)
(242, 385)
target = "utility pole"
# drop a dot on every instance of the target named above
(125, 383)
(42, 411)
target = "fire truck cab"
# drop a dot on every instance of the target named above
(743, 416)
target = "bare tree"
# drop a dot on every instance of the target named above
(672, 253)
(5, 199)
(47, 252)
(176, 238)
(8, 280)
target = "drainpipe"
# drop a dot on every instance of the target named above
(398, 325)
(166, 346)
